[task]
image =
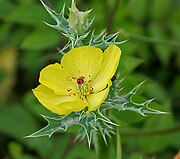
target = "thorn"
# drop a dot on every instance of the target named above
(137, 87)
(50, 25)
(146, 103)
(121, 42)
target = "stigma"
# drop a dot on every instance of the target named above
(80, 80)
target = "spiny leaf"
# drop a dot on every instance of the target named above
(88, 127)
(91, 125)
(61, 22)
(105, 129)
(125, 102)
(56, 124)
(94, 123)
(103, 40)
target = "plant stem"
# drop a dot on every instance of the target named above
(67, 149)
(150, 133)
(153, 40)
(118, 144)
(112, 15)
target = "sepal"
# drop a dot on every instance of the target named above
(78, 20)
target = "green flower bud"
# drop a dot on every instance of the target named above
(78, 20)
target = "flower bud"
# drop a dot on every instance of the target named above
(78, 20)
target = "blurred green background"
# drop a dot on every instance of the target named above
(152, 52)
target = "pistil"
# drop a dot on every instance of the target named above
(80, 80)
(83, 87)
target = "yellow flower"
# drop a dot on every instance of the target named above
(83, 79)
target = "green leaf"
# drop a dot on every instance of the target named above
(56, 124)
(13, 123)
(144, 53)
(135, 155)
(128, 64)
(6, 8)
(15, 117)
(26, 2)
(15, 150)
(97, 12)
(18, 36)
(51, 148)
(62, 24)
(125, 117)
(103, 40)
(106, 151)
(156, 90)
(176, 87)
(2, 75)
(160, 8)
(156, 143)
(163, 52)
(43, 146)
(41, 38)
(138, 9)
(128, 48)
(29, 56)
(80, 152)
(4, 32)
(175, 141)
(126, 102)
(27, 15)
(25, 156)
(174, 24)
(90, 124)
(58, 150)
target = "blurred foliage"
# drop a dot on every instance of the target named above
(152, 52)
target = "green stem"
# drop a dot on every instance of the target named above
(153, 40)
(150, 133)
(112, 14)
(118, 144)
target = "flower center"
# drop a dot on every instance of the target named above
(84, 88)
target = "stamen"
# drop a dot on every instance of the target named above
(83, 87)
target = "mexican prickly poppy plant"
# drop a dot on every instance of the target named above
(77, 88)
(80, 82)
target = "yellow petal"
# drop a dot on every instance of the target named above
(56, 78)
(83, 61)
(62, 105)
(96, 99)
(111, 59)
